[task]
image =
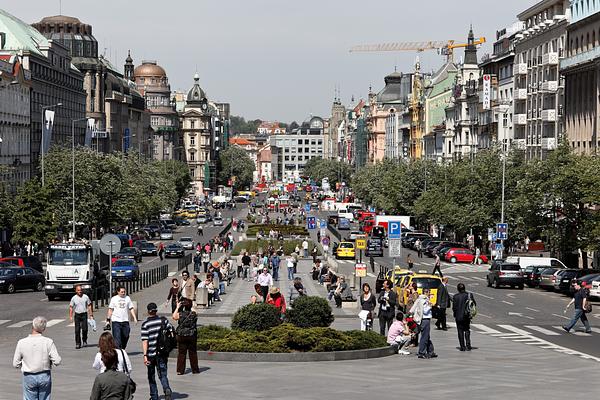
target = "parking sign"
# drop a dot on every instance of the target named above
(394, 230)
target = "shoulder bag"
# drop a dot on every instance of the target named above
(130, 382)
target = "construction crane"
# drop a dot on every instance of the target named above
(443, 47)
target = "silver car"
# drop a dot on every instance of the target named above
(548, 278)
(218, 221)
(186, 242)
(166, 234)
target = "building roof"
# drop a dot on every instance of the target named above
(20, 35)
(60, 19)
(397, 87)
(196, 94)
(241, 141)
(150, 69)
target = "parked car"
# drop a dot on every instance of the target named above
(19, 278)
(126, 239)
(353, 235)
(203, 219)
(24, 261)
(186, 242)
(148, 249)
(548, 278)
(125, 269)
(166, 234)
(588, 278)
(456, 254)
(532, 274)
(505, 274)
(218, 221)
(174, 250)
(132, 253)
(595, 289)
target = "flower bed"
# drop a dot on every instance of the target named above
(252, 246)
(285, 230)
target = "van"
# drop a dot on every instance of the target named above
(348, 215)
(525, 262)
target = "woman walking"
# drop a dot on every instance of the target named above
(105, 344)
(186, 336)
(111, 384)
(367, 306)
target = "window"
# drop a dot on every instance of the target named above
(192, 124)
(192, 156)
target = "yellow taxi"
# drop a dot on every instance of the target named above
(397, 274)
(179, 213)
(423, 281)
(345, 250)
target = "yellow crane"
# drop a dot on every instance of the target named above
(443, 47)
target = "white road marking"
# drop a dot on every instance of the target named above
(561, 316)
(483, 295)
(483, 315)
(515, 330)
(451, 277)
(72, 324)
(53, 322)
(44, 299)
(172, 273)
(371, 275)
(542, 330)
(508, 302)
(4, 321)
(463, 277)
(532, 309)
(485, 328)
(511, 295)
(19, 324)
(478, 278)
(520, 315)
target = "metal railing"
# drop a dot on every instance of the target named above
(183, 263)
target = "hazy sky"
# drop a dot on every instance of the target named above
(276, 59)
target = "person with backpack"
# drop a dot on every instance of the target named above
(422, 314)
(158, 339)
(186, 336)
(464, 309)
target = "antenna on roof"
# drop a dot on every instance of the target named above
(59, 7)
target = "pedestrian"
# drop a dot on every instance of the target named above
(437, 266)
(80, 309)
(35, 355)
(119, 308)
(174, 294)
(319, 236)
(265, 281)
(275, 266)
(187, 286)
(206, 259)
(290, 267)
(161, 251)
(106, 342)
(200, 230)
(410, 262)
(443, 302)
(156, 363)
(277, 300)
(111, 384)
(388, 300)
(297, 289)
(422, 313)
(246, 260)
(314, 253)
(476, 260)
(367, 306)
(197, 260)
(582, 305)
(419, 248)
(186, 336)
(399, 334)
(372, 263)
(462, 317)
(305, 248)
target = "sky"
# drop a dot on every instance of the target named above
(277, 60)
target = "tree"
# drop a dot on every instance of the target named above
(235, 162)
(33, 218)
(335, 171)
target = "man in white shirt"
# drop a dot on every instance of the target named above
(118, 309)
(265, 280)
(80, 309)
(305, 247)
(35, 355)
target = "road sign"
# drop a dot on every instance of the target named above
(499, 246)
(110, 244)
(394, 229)
(311, 222)
(360, 270)
(361, 244)
(494, 237)
(371, 209)
(323, 223)
(307, 207)
(502, 231)
(395, 247)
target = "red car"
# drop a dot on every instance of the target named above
(463, 255)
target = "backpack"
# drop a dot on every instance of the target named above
(166, 340)
(470, 307)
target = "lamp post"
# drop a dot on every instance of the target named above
(503, 109)
(73, 167)
(44, 108)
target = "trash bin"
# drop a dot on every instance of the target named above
(202, 296)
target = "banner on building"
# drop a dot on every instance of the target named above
(487, 92)
(47, 127)
(89, 132)
(126, 140)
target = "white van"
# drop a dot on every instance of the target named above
(525, 262)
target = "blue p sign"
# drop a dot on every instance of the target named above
(394, 230)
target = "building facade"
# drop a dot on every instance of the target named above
(331, 148)
(263, 162)
(581, 69)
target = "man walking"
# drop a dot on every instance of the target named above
(275, 265)
(442, 304)
(119, 308)
(462, 316)
(265, 281)
(305, 247)
(188, 290)
(246, 260)
(35, 355)
(155, 362)
(581, 304)
(422, 314)
(388, 300)
(290, 267)
(437, 266)
(80, 309)
(419, 248)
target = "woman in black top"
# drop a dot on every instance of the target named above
(367, 299)
(186, 336)
(111, 384)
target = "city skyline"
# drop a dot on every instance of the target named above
(296, 66)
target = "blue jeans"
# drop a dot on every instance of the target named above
(222, 287)
(579, 314)
(290, 274)
(37, 386)
(120, 331)
(425, 345)
(160, 366)
(275, 273)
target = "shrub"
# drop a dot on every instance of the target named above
(213, 332)
(285, 230)
(366, 339)
(252, 246)
(309, 312)
(256, 317)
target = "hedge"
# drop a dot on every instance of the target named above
(310, 312)
(256, 317)
(285, 230)
(287, 338)
(252, 246)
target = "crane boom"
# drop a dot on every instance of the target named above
(402, 46)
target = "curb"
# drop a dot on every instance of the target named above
(298, 357)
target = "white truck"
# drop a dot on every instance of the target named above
(69, 265)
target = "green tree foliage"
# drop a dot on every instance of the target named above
(240, 125)
(236, 162)
(256, 317)
(335, 171)
(310, 312)
(33, 217)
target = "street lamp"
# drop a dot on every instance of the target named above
(73, 165)
(503, 109)
(44, 108)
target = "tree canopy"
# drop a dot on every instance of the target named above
(235, 162)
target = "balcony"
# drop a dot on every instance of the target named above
(520, 69)
(549, 115)
(520, 94)
(550, 58)
(550, 86)
(520, 119)
(548, 143)
(581, 58)
(519, 143)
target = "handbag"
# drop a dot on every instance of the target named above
(130, 382)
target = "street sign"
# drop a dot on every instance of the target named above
(307, 207)
(499, 246)
(323, 223)
(361, 244)
(360, 270)
(395, 247)
(311, 222)
(394, 229)
(502, 231)
(487, 91)
(494, 237)
(371, 209)
(110, 244)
